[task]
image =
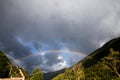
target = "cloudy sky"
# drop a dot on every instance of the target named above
(54, 34)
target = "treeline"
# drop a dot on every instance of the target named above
(73, 73)
(36, 75)
(7, 70)
(107, 68)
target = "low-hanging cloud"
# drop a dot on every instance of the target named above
(27, 27)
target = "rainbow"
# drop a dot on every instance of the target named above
(53, 51)
(48, 51)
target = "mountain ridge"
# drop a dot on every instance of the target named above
(97, 54)
(7, 70)
(93, 66)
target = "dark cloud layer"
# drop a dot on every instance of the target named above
(28, 27)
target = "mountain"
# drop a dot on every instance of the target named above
(50, 75)
(102, 64)
(101, 52)
(8, 70)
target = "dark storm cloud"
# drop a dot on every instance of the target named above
(31, 62)
(28, 26)
(8, 33)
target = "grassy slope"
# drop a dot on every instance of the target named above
(92, 62)
(94, 57)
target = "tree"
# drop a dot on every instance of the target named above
(74, 73)
(112, 61)
(98, 72)
(37, 74)
(4, 66)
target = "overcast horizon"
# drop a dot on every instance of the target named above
(55, 34)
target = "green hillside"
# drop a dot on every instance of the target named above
(7, 69)
(4, 66)
(101, 52)
(102, 64)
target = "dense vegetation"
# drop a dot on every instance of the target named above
(73, 73)
(8, 70)
(105, 69)
(37, 74)
(102, 64)
(4, 66)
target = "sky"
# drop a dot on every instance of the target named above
(55, 34)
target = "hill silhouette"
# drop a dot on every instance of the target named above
(4, 66)
(102, 64)
(8, 70)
